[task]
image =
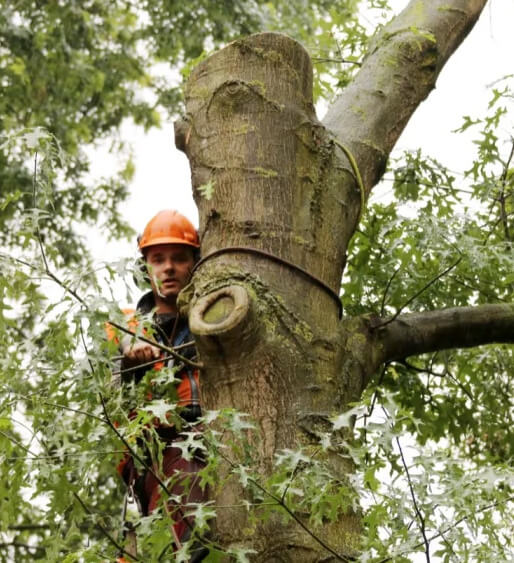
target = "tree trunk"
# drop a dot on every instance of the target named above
(268, 333)
(274, 232)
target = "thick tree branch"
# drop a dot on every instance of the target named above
(398, 73)
(459, 327)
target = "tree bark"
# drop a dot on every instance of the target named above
(285, 203)
(459, 327)
(399, 71)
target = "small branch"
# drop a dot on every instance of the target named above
(59, 456)
(41, 246)
(502, 197)
(418, 293)
(420, 516)
(86, 349)
(464, 518)
(152, 362)
(103, 530)
(281, 503)
(386, 290)
(436, 374)
(130, 449)
(20, 545)
(296, 470)
(23, 527)
(78, 411)
(372, 407)
(179, 347)
(491, 296)
(161, 483)
(17, 443)
(452, 526)
(167, 349)
(141, 366)
(109, 537)
(319, 60)
(18, 261)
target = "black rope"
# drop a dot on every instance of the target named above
(279, 260)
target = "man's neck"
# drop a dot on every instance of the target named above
(165, 307)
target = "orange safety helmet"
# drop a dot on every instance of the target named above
(169, 227)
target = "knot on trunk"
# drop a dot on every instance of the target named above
(222, 319)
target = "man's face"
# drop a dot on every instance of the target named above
(169, 266)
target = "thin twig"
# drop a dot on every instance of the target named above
(420, 516)
(86, 349)
(417, 294)
(67, 455)
(167, 349)
(104, 531)
(386, 290)
(318, 60)
(464, 518)
(141, 366)
(18, 261)
(22, 527)
(14, 441)
(502, 198)
(179, 367)
(295, 472)
(130, 449)
(289, 511)
(161, 483)
(372, 408)
(481, 291)
(66, 408)
(20, 545)
(452, 526)
(112, 540)
(436, 374)
(178, 347)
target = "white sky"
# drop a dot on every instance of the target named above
(162, 178)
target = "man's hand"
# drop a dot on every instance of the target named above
(135, 353)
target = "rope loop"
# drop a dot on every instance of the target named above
(274, 258)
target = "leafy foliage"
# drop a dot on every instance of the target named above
(80, 71)
(433, 443)
(448, 244)
(432, 233)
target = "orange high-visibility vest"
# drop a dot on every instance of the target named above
(188, 388)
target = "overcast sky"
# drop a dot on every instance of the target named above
(162, 178)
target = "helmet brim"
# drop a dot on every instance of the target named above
(166, 240)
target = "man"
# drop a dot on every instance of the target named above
(169, 246)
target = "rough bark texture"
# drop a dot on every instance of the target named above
(399, 72)
(278, 187)
(459, 327)
(270, 336)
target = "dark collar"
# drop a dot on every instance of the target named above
(165, 321)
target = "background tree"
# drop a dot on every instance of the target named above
(283, 355)
(71, 74)
(79, 71)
